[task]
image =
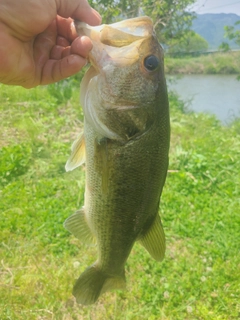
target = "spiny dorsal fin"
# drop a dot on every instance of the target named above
(77, 157)
(154, 240)
(77, 225)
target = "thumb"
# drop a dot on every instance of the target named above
(78, 9)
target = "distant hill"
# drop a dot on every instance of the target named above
(211, 27)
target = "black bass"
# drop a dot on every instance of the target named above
(125, 145)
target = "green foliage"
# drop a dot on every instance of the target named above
(233, 34)
(216, 63)
(199, 278)
(224, 46)
(14, 161)
(109, 9)
(178, 104)
(211, 27)
(62, 91)
(170, 17)
(192, 42)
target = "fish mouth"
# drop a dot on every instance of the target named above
(116, 43)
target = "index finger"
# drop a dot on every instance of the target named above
(78, 9)
(66, 29)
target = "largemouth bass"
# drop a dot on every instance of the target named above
(125, 146)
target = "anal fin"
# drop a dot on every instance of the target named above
(154, 240)
(77, 225)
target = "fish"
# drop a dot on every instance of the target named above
(125, 146)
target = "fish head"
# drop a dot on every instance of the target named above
(126, 76)
(128, 59)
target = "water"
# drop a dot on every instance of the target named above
(216, 94)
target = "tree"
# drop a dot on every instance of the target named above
(192, 42)
(171, 20)
(233, 34)
(224, 46)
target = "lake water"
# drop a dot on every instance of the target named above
(216, 94)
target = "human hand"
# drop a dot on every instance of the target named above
(38, 41)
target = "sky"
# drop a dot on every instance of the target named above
(216, 6)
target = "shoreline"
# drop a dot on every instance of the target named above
(215, 63)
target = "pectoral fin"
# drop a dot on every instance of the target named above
(77, 225)
(154, 240)
(77, 157)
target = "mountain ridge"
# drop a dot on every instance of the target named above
(211, 27)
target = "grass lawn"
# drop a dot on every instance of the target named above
(200, 210)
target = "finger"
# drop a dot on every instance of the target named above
(56, 70)
(63, 42)
(66, 29)
(66, 52)
(56, 52)
(78, 9)
(88, 15)
(81, 46)
(42, 47)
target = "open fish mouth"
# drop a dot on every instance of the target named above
(117, 43)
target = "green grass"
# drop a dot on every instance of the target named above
(216, 63)
(40, 260)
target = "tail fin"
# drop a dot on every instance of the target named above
(93, 282)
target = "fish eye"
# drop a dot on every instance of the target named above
(151, 63)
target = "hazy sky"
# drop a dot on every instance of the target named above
(216, 6)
